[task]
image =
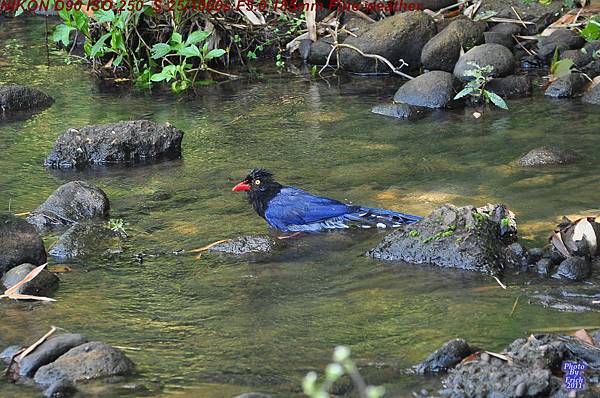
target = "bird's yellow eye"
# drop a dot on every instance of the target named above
(257, 182)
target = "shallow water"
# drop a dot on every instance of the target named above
(222, 326)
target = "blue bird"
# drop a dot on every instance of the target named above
(291, 209)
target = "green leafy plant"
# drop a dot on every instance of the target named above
(591, 31)
(116, 225)
(475, 88)
(560, 68)
(342, 364)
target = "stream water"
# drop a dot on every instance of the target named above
(220, 326)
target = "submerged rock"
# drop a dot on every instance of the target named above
(513, 86)
(443, 50)
(545, 155)
(399, 111)
(500, 57)
(47, 352)
(15, 98)
(61, 389)
(71, 203)
(567, 86)
(44, 284)
(19, 243)
(431, 90)
(247, 244)
(444, 358)
(400, 36)
(87, 361)
(574, 268)
(593, 96)
(449, 237)
(131, 141)
(85, 239)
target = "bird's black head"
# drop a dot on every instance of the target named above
(260, 187)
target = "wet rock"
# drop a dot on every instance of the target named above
(592, 47)
(400, 36)
(85, 239)
(131, 141)
(246, 245)
(513, 86)
(567, 86)
(592, 69)
(544, 156)
(47, 352)
(431, 90)
(541, 15)
(593, 96)
(448, 355)
(449, 237)
(595, 337)
(19, 243)
(544, 266)
(14, 98)
(534, 254)
(539, 351)
(9, 352)
(499, 38)
(87, 361)
(44, 284)
(253, 395)
(61, 389)
(71, 203)
(319, 51)
(560, 39)
(399, 111)
(443, 50)
(433, 5)
(573, 268)
(500, 57)
(580, 58)
(519, 255)
(507, 28)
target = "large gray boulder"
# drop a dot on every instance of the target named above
(400, 36)
(87, 239)
(443, 50)
(496, 55)
(72, 202)
(465, 238)
(15, 98)
(44, 284)
(131, 141)
(87, 361)
(431, 90)
(593, 96)
(19, 243)
(548, 155)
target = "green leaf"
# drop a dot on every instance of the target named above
(464, 92)
(196, 37)
(158, 77)
(104, 16)
(216, 53)
(118, 60)
(81, 21)
(61, 33)
(496, 99)
(99, 45)
(176, 38)
(592, 31)
(190, 51)
(159, 50)
(562, 68)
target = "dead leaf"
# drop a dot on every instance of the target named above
(583, 335)
(476, 115)
(59, 269)
(558, 243)
(35, 272)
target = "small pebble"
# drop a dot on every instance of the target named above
(521, 390)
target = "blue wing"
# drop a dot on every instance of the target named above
(295, 207)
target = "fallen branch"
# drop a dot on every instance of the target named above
(502, 285)
(35, 345)
(11, 292)
(205, 248)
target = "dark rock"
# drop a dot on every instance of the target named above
(545, 155)
(246, 245)
(131, 141)
(541, 15)
(399, 111)
(592, 69)
(431, 90)
(400, 36)
(443, 50)
(560, 39)
(500, 57)
(319, 51)
(433, 5)
(499, 38)
(44, 284)
(595, 337)
(14, 98)
(544, 266)
(449, 237)
(567, 86)
(519, 254)
(84, 239)
(573, 268)
(47, 352)
(87, 361)
(71, 203)
(19, 243)
(593, 96)
(580, 58)
(507, 28)
(534, 254)
(592, 47)
(448, 355)
(9, 352)
(501, 215)
(253, 395)
(514, 86)
(61, 389)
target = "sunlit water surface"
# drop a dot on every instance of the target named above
(220, 326)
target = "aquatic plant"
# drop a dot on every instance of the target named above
(116, 225)
(475, 88)
(342, 364)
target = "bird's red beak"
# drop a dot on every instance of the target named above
(242, 186)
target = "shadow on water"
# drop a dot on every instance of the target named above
(219, 326)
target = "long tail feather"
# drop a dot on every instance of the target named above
(382, 218)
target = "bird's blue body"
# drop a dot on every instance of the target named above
(294, 210)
